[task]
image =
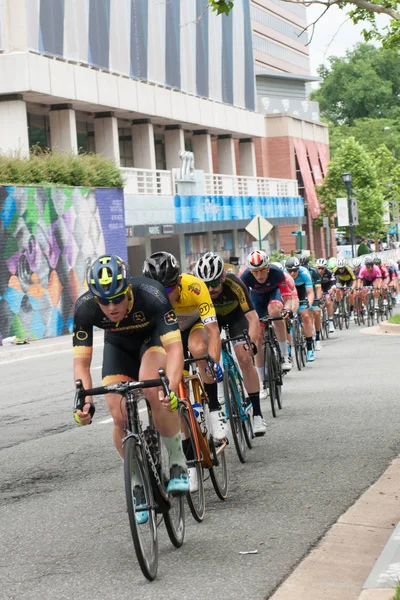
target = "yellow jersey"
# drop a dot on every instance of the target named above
(194, 303)
(346, 276)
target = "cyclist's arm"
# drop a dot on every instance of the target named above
(254, 326)
(214, 341)
(310, 295)
(174, 366)
(318, 291)
(82, 370)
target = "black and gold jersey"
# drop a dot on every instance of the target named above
(149, 308)
(234, 300)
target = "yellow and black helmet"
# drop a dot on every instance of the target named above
(108, 276)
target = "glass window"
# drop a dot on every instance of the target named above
(195, 246)
(223, 244)
(161, 161)
(85, 136)
(38, 130)
(125, 147)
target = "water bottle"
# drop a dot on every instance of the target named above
(199, 414)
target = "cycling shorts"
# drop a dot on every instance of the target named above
(261, 301)
(237, 324)
(186, 334)
(302, 293)
(121, 362)
(344, 284)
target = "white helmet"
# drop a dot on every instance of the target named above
(278, 264)
(209, 267)
(391, 263)
(321, 262)
(257, 259)
(357, 262)
(341, 263)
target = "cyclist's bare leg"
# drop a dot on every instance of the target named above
(250, 376)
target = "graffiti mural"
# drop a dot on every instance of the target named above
(48, 236)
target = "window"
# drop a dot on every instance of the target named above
(85, 136)
(38, 130)
(125, 147)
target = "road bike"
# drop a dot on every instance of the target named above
(299, 342)
(146, 460)
(238, 407)
(202, 452)
(273, 376)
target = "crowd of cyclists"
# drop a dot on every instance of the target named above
(154, 321)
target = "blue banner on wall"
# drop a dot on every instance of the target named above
(190, 209)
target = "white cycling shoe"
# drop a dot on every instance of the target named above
(286, 364)
(259, 426)
(193, 480)
(263, 392)
(219, 426)
(318, 345)
(331, 327)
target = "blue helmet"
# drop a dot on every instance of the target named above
(108, 276)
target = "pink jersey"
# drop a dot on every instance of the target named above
(291, 284)
(374, 273)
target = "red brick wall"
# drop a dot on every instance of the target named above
(287, 241)
(260, 147)
(280, 162)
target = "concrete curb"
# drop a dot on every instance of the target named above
(391, 328)
(47, 346)
(339, 566)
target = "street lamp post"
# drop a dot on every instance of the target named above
(347, 181)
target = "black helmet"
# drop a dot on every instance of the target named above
(369, 262)
(163, 267)
(304, 260)
(108, 276)
(292, 263)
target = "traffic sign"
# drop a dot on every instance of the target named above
(259, 228)
(298, 233)
(325, 222)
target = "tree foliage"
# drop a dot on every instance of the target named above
(371, 133)
(364, 84)
(352, 158)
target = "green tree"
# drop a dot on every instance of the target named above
(371, 133)
(352, 158)
(363, 84)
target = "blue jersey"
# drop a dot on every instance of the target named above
(303, 278)
(276, 279)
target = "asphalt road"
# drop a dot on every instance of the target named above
(64, 529)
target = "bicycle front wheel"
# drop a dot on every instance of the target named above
(269, 376)
(196, 499)
(144, 534)
(235, 419)
(297, 344)
(219, 470)
(174, 516)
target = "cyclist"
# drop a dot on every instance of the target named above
(345, 278)
(356, 266)
(270, 294)
(235, 309)
(385, 278)
(305, 291)
(197, 320)
(328, 285)
(295, 301)
(332, 263)
(316, 307)
(394, 282)
(141, 336)
(369, 276)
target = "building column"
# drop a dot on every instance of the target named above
(182, 252)
(202, 150)
(174, 145)
(226, 155)
(14, 138)
(106, 139)
(144, 153)
(247, 158)
(63, 129)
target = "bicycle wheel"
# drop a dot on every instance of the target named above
(245, 413)
(195, 500)
(278, 374)
(269, 376)
(219, 471)
(232, 404)
(340, 314)
(297, 344)
(144, 535)
(174, 518)
(346, 315)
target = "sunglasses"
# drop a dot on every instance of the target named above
(170, 288)
(263, 270)
(113, 300)
(214, 284)
(293, 270)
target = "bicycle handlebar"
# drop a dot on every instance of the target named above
(207, 358)
(268, 319)
(123, 388)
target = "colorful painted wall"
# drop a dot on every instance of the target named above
(48, 236)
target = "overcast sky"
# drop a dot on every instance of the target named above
(325, 43)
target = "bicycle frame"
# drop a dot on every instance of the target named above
(229, 364)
